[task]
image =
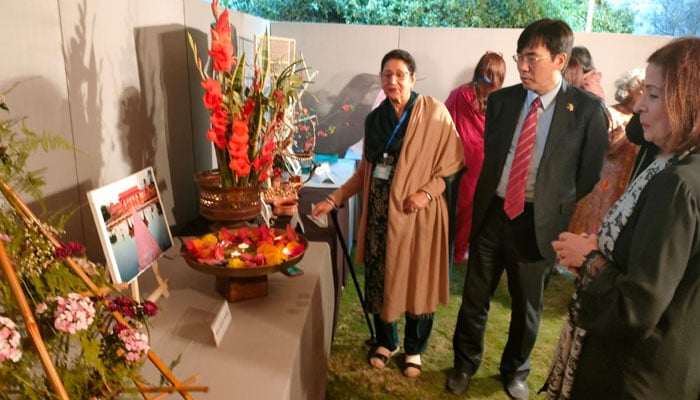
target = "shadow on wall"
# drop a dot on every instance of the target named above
(349, 126)
(64, 202)
(136, 127)
(162, 109)
(85, 96)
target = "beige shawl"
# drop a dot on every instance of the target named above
(417, 274)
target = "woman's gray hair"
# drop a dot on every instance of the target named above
(629, 81)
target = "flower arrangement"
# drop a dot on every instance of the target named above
(245, 247)
(249, 125)
(96, 340)
(96, 354)
(309, 125)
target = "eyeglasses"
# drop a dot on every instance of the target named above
(530, 59)
(400, 75)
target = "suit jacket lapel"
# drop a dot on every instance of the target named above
(512, 106)
(564, 107)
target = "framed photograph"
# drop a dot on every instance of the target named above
(132, 226)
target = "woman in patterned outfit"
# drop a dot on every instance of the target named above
(633, 327)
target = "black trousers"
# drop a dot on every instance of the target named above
(510, 245)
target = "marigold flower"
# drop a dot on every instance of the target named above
(236, 263)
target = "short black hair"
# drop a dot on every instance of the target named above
(555, 34)
(398, 54)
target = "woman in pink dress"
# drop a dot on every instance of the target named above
(467, 105)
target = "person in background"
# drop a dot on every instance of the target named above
(618, 162)
(410, 146)
(573, 74)
(544, 145)
(633, 330)
(589, 77)
(467, 106)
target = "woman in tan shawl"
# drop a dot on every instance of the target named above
(410, 145)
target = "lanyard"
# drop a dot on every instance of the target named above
(393, 134)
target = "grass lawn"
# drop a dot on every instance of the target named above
(351, 377)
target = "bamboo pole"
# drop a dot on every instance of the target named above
(31, 324)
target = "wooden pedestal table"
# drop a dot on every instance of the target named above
(237, 289)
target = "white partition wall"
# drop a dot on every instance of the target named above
(115, 78)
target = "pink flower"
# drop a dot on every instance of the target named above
(134, 344)
(41, 308)
(88, 266)
(9, 341)
(346, 107)
(76, 313)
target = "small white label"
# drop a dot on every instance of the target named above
(221, 323)
(296, 220)
(265, 211)
(321, 221)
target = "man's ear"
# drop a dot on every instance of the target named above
(561, 60)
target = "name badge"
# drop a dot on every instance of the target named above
(382, 171)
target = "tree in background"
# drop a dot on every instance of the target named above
(440, 13)
(676, 17)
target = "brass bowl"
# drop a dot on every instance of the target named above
(226, 205)
(224, 271)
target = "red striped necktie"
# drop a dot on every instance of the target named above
(514, 201)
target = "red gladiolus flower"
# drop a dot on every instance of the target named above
(221, 45)
(219, 119)
(212, 94)
(240, 127)
(238, 147)
(240, 166)
(217, 137)
(248, 108)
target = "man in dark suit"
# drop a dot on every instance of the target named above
(563, 164)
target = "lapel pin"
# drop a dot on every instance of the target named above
(570, 107)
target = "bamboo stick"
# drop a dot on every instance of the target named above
(31, 324)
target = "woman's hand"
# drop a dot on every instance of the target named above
(415, 202)
(572, 248)
(322, 208)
